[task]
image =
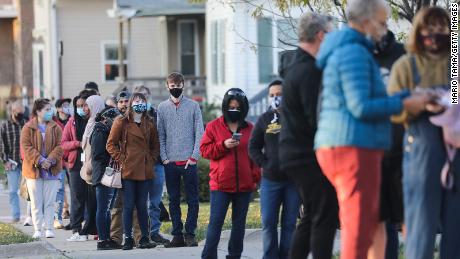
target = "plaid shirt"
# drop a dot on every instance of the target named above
(10, 135)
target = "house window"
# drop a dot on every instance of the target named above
(188, 47)
(218, 51)
(265, 49)
(110, 61)
(287, 34)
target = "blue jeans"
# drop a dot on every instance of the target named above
(135, 193)
(173, 175)
(155, 195)
(219, 206)
(60, 198)
(104, 197)
(392, 246)
(272, 196)
(427, 205)
(14, 181)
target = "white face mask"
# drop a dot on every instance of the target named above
(67, 110)
(275, 102)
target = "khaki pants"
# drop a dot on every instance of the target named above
(116, 227)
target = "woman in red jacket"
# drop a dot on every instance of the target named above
(233, 176)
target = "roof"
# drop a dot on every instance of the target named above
(161, 7)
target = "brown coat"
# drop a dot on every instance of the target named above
(31, 144)
(142, 147)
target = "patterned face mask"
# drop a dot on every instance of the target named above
(139, 108)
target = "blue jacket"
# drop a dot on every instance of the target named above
(355, 109)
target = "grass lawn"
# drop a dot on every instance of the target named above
(10, 235)
(253, 219)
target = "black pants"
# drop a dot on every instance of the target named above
(315, 232)
(82, 198)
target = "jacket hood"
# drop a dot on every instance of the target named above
(338, 39)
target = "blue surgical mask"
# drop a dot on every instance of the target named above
(48, 115)
(139, 108)
(81, 112)
(67, 110)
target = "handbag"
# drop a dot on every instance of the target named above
(86, 170)
(112, 176)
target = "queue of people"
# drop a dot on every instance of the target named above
(356, 138)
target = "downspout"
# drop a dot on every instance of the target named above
(56, 86)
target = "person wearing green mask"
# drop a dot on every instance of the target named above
(41, 144)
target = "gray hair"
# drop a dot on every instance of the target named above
(312, 23)
(360, 10)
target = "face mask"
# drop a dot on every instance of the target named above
(436, 43)
(81, 112)
(67, 110)
(19, 116)
(176, 92)
(234, 115)
(275, 102)
(48, 115)
(139, 108)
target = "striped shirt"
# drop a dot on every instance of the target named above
(10, 135)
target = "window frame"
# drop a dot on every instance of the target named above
(196, 42)
(111, 62)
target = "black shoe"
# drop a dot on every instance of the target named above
(177, 241)
(157, 238)
(129, 243)
(190, 241)
(67, 227)
(107, 245)
(145, 243)
(115, 244)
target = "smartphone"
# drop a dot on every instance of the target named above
(237, 136)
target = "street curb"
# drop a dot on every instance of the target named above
(28, 249)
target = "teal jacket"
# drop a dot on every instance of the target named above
(355, 109)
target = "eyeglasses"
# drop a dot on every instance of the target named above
(236, 93)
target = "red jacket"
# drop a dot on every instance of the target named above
(231, 169)
(70, 143)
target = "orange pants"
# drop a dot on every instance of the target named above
(355, 174)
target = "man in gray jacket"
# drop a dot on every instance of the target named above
(180, 128)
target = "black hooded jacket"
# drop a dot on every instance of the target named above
(100, 156)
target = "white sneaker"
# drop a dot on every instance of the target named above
(28, 221)
(49, 234)
(77, 238)
(37, 234)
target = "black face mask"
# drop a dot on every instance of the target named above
(436, 43)
(176, 92)
(234, 115)
(19, 116)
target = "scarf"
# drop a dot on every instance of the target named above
(95, 104)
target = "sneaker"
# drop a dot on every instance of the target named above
(157, 238)
(107, 245)
(78, 238)
(96, 237)
(66, 215)
(58, 224)
(190, 241)
(177, 241)
(145, 243)
(49, 234)
(129, 243)
(28, 222)
(114, 244)
(37, 234)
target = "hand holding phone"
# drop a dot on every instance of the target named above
(237, 136)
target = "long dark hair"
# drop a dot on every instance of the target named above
(39, 104)
(238, 95)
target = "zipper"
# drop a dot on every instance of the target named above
(236, 172)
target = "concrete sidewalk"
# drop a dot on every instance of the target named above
(59, 248)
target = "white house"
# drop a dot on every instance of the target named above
(76, 41)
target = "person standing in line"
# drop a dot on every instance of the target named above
(180, 128)
(133, 143)
(41, 144)
(430, 204)
(301, 89)
(354, 126)
(64, 111)
(71, 142)
(386, 52)
(233, 176)
(122, 101)
(100, 160)
(10, 133)
(156, 188)
(276, 189)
